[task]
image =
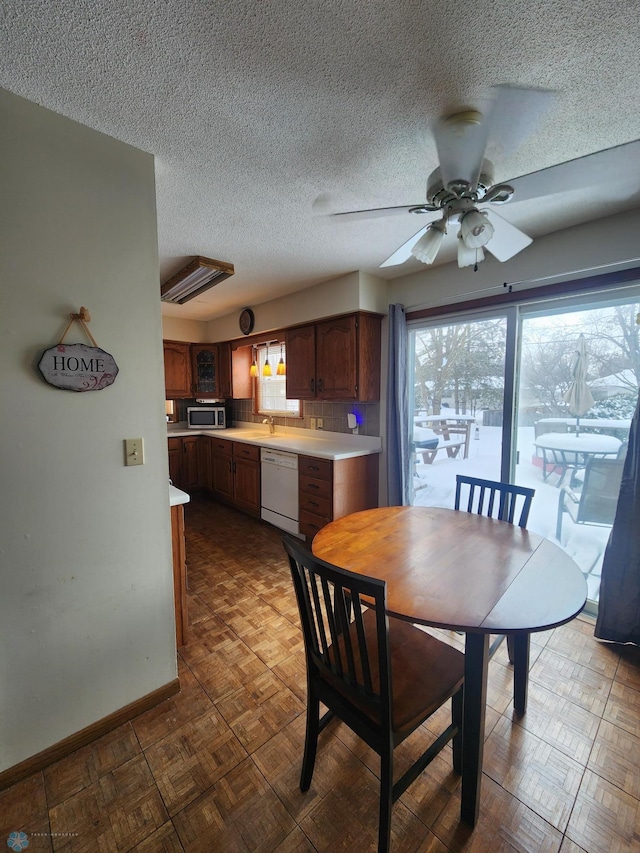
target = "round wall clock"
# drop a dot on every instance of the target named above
(246, 321)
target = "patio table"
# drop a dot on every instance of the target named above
(568, 450)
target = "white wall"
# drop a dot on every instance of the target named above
(176, 329)
(86, 610)
(611, 241)
(351, 292)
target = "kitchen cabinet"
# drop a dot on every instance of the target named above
(241, 382)
(175, 461)
(177, 369)
(185, 465)
(331, 489)
(211, 370)
(246, 477)
(205, 470)
(190, 462)
(336, 359)
(222, 468)
(235, 470)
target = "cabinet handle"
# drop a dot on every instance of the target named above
(313, 486)
(313, 467)
(313, 503)
(320, 385)
(312, 385)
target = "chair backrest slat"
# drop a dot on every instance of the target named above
(507, 494)
(339, 640)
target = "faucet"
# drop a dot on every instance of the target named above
(269, 421)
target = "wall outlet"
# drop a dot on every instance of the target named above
(313, 423)
(133, 451)
(320, 422)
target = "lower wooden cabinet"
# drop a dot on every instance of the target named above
(331, 489)
(230, 470)
(175, 461)
(246, 477)
(184, 461)
(222, 468)
(235, 468)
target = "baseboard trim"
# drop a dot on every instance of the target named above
(84, 736)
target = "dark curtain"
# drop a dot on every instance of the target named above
(398, 450)
(619, 604)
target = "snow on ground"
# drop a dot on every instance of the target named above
(435, 486)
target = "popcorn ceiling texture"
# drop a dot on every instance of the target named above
(254, 108)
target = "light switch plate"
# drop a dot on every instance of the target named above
(320, 422)
(133, 451)
(313, 423)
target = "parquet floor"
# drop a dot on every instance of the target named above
(216, 767)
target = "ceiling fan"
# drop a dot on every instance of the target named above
(461, 192)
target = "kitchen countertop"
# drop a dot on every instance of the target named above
(177, 496)
(324, 445)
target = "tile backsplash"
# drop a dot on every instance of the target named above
(334, 415)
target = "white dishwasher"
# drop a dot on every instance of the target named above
(280, 489)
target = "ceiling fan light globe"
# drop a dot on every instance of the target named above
(475, 229)
(428, 246)
(468, 257)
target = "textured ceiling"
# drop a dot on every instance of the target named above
(254, 109)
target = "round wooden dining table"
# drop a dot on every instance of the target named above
(460, 571)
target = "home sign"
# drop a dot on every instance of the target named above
(76, 367)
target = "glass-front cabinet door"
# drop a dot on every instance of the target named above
(205, 369)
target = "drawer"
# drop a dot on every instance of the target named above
(246, 451)
(315, 503)
(175, 443)
(321, 469)
(310, 523)
(311, 486)
(221, 446)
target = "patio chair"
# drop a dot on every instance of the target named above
(381, 676)
(501, 501)
(596, 501)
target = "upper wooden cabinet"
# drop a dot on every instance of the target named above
(211, 369)
(177, 369)
(336, 359)
(191, 370)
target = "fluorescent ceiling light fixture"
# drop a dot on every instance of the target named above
(427, 247)
(198, 275)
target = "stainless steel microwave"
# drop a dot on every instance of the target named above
(207, 417)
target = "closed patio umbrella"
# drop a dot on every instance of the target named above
(579, 396)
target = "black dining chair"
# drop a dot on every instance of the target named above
(381, 676)
(503, 501)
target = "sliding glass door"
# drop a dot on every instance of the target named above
(572, 426)
(457, 400)
(537, 394)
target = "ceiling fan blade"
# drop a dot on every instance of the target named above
(460, 141)
(377, 212)
(507, 240)
(619, 165)
(515, 114)
(404, 252)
